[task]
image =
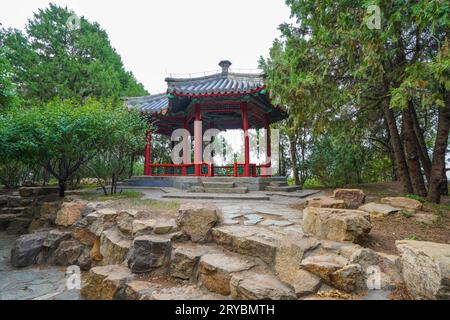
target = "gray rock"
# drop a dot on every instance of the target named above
(84, 260)
(149, 252)
(426, 268)
(18, 225)
(27, 248)
(55, 237)
(197, 220)
(67, 253)
(378, 209)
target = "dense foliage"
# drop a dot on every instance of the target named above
(63, 136)
(55, 58)
(374, 102)
(60, 110)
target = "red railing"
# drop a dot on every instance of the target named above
(206, 169)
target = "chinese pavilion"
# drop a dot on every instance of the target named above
(225, 100)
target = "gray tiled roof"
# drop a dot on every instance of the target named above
(149, 104)
(221, 83)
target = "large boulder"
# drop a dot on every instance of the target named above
(27, 248)
(68, 253)
(426, 268)
(84, 260)
(125, 220)
(102, 283)
(289, 253)
(216, 270)
(402, 202)
(149, 252)
(353, 198)
(249, 240)
(185, 258)
(349, 278)
(335, 271)
(102, 220)
(378, 210)
(83, 235)
(259, 286)
(55, 237)
(69, 213)
(325, 202)
(164, 226)
(113, 246)
(197, 220)
(323, 265)
(18, 225)
(336, 224)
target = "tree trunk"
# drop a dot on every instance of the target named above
(421, 147)
(62, 187)
(45, 176)
(294, 163)
(112, 183)
(438, 176)
(397, 148)
(131, 166)
(411, 155)
(444, 184)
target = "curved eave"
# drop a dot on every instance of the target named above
(215, 94)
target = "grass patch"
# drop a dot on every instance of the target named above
(89, 196)
(411, 237)
(414, 197)
(155, 204)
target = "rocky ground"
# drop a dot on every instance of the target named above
(282, 248)
(31, 283)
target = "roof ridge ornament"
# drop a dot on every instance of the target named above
(225, 65)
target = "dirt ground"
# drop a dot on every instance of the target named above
(399, 226)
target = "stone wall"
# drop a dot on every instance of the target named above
(28, 209)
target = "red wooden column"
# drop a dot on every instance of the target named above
(198, 141)
(267, 169)
(246, 139)
(148, 151)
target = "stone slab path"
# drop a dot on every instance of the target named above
(296, 194)
(214, 196)
(33, 283)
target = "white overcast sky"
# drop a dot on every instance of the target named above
(155, 38)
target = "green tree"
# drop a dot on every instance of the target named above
(330, 66)
(126, 141)
(63, 136)
(8, 94)
(52, 58)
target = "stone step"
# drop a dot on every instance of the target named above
(252, 285)
(278, 183)
(239, 190)
(248, 240)
(214, 196)
(220, 185)
(300, 194)
(148, 290)
(283, 188)
(215, 270)
(216, 189)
